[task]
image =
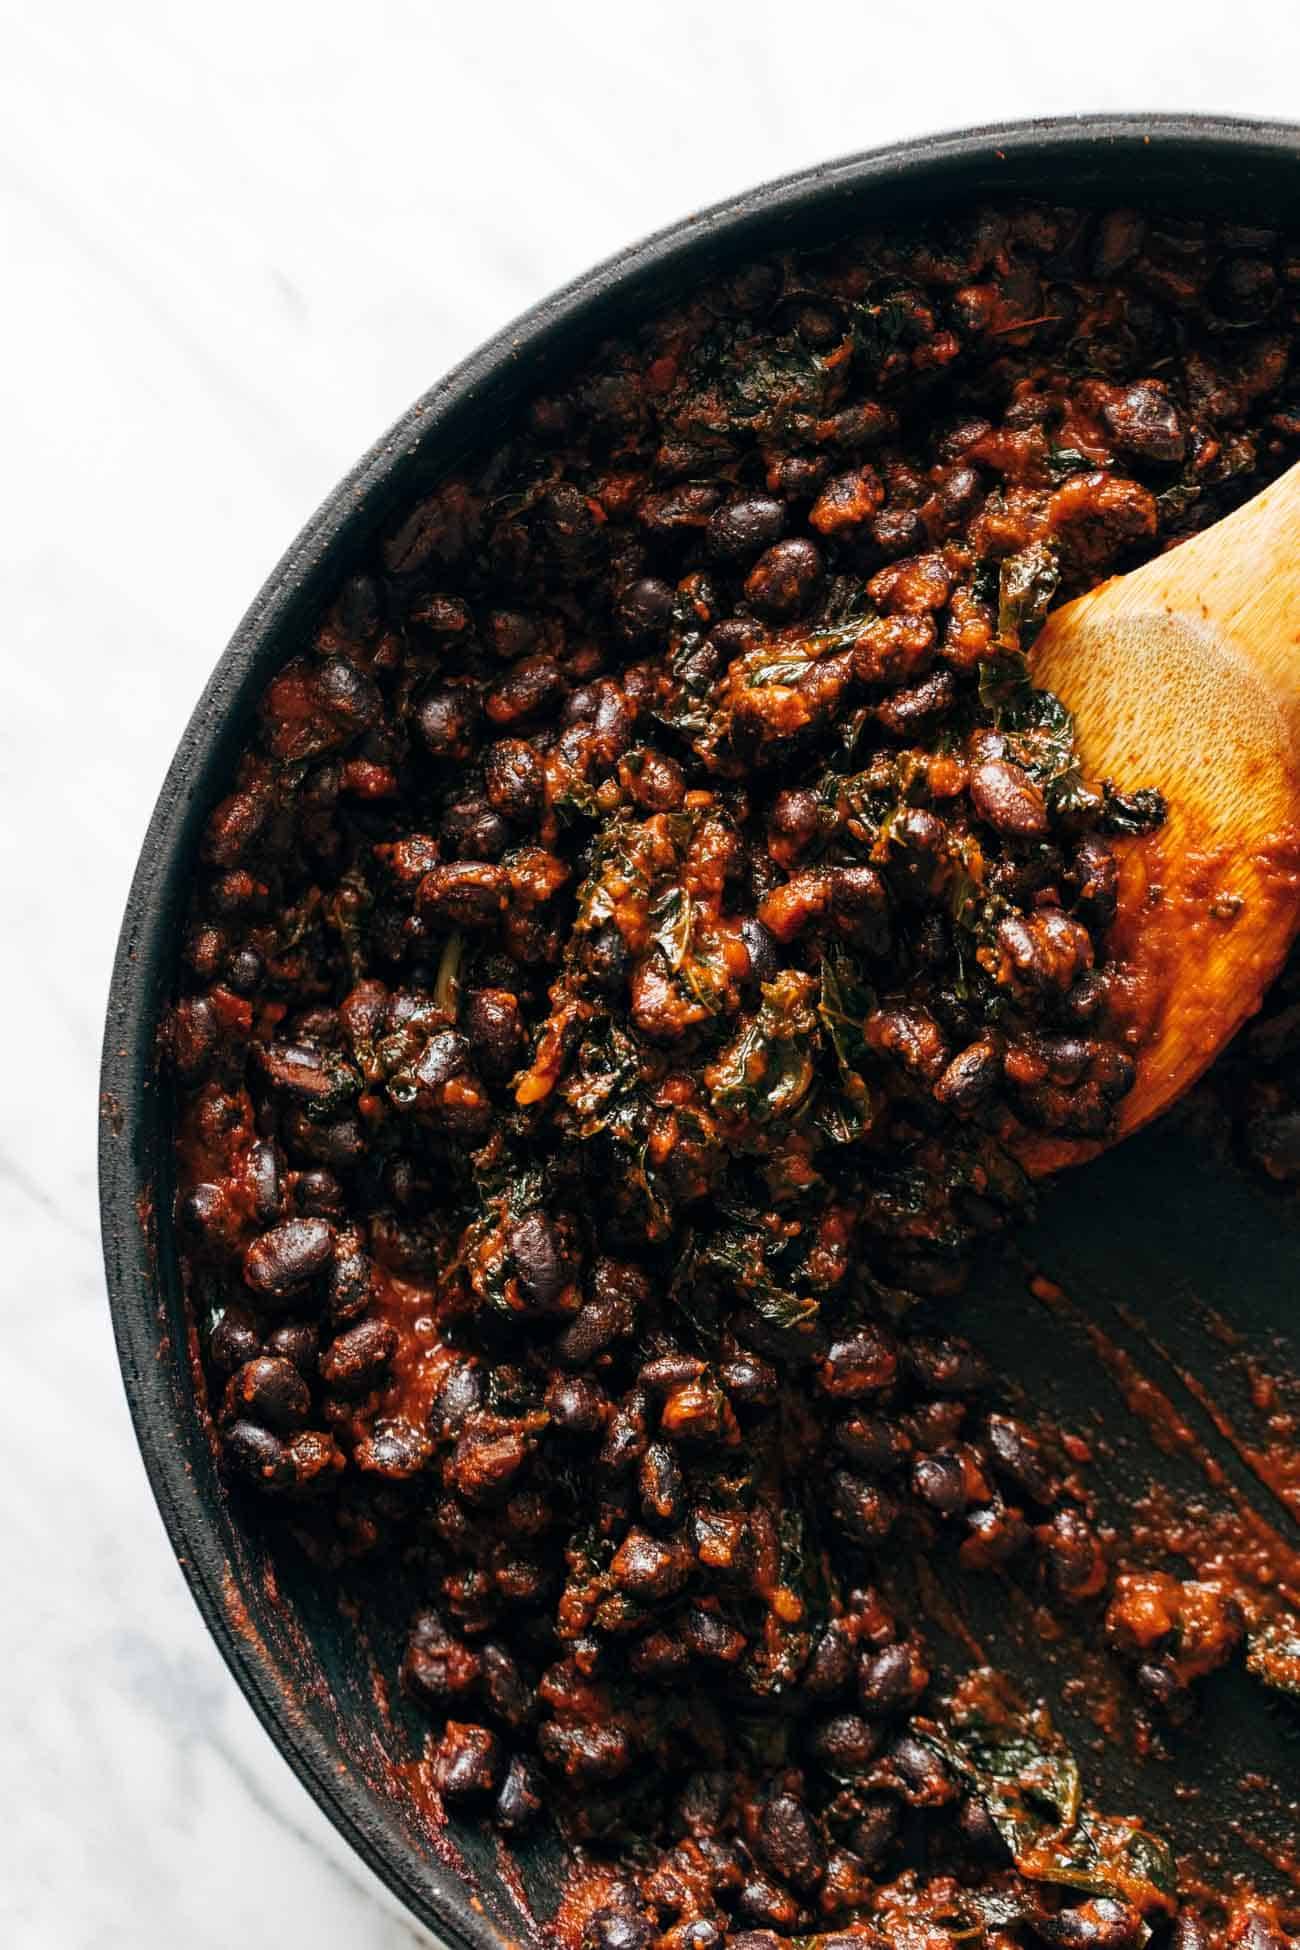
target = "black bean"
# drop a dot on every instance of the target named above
(538, 1255)
(860, 907)
(831, 1664)
(760, 1900)
(648, 1566)
(510, 633)
(1066, 1057)
(845, 1744)
(467, 1761)
(785, 578)
(626, 1439)
(890, 1681)
(519, 1798)
(701, 1933)
(1074, 1561)
(358, 1356)
(317, 1193)
(1095, 873)
(393, 1449)
(617, 1929)
(287, 1256)
(644, 608)
(444, 1056)
(586, 1753)
(749, 1382)
(576, 1406)
(205, 950)
(1159, 1685)
(940, 1482)
(486, 1462)
(970, 1079)
(269, 1390)
(710, 1637)
(195, 1036)
(234, 1339)
(495, 1029)
(255, 1456)
(530, 688)
(872, 1442)
(866, 1363)
(1087, 999)
(924, 1778)
(459, 1395)
(504, 1686)
(761, 949)
(1103, 1923)
(723, 1541)
(659, 1655)
(996, 1534)
(297, 1342)
(743, 527)
(917, 841)
(438, 1667)
(980, 1832)
(874, 1833)
(314, 1458)
(1007, 799)
(946, 1367)
(703, 1803)
(671, 1370)
(595, 1325)
(684, 507)
(348, 693)
(245, 970)
(906, 712)
(1144, 422)
(471, 830)
(347, 1284)
(898, 531)
(513, 778)
(608, 959)
(445, 721)
(788, 1839)
(614, 723)
(441, 618)
(322, 1084)
(864, 1510)
(465, 893)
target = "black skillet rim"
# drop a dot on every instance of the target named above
(154, 1362)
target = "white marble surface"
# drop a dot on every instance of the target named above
(236, 241)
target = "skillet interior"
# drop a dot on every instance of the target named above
(1161, 1227)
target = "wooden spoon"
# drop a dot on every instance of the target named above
(1185, 675)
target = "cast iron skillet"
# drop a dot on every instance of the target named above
(1158, 1224)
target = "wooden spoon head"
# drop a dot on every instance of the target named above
(1209, 903)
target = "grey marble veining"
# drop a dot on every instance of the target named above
(235, 243)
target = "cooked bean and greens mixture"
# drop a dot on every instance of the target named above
(646, 928)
